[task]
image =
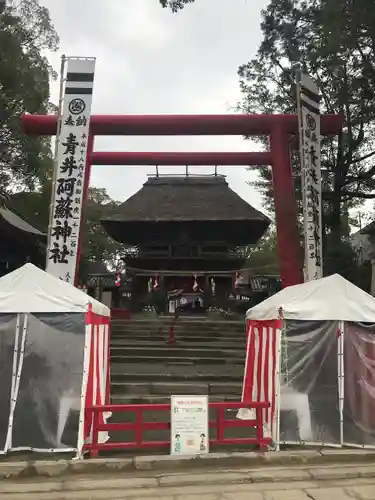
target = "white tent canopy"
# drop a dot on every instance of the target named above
(327, 299)
(54, 345)
(31, 290)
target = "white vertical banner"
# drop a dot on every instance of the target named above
(63, 232)
(311, 184)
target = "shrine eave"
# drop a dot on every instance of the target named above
(234, 232)
(15, 222)
(185, 264)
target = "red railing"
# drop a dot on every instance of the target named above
(139, 426)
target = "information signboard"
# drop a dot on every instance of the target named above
(189, 425)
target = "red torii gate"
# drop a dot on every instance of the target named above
(278, 128)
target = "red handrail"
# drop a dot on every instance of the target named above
(139, 426)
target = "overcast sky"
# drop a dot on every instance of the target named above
(152, 61)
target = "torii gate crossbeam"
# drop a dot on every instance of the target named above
(279, 129)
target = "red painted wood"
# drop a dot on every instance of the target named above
(238, 124)
(139, 426)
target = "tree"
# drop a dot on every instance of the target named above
(263, 259)
(351, 24)
(25, 33)
(175, 5)
(335, 42)
(97, 246)
(300, 31)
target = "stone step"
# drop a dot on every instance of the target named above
(179, 334)
(152, 372)
(181, 320)
(207, 358)
(181, 326)
(182, 331)
(172, 387)
(125, 399)
(160, 342)
(171, 351)
(178, 339)
(152, 369)
(122, 379)
(178, 360)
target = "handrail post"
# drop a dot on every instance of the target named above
(220, 425)
(138, 423)
(95, 432)
(259, 431)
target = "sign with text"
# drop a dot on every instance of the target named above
(311, 183)
(189, 425)
(63, 232)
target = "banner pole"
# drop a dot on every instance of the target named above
(55, 158)
(297, 70)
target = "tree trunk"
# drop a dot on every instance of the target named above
(335, 238)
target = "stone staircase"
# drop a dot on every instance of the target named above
(207, 358)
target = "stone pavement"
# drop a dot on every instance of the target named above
(342, 482)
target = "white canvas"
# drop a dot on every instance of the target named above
(330, 298)
(31, 290)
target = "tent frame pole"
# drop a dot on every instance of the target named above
(15, 357)
(14, 368)
(279, 333)
(85, 378)
(341, 375)
(14, 395)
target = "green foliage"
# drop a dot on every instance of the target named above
(263, 258)
(96, 245)
(343, 259)
(175, 5)
(334, 41)
(306, 32)
(25, 32)
(350, 24)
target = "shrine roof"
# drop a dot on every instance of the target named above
(369, 229)
(198, 198)
(18, 222)
(20, 241)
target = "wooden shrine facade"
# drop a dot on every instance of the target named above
(183, 239)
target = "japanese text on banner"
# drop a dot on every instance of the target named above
(70, 178)
(311, 184)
